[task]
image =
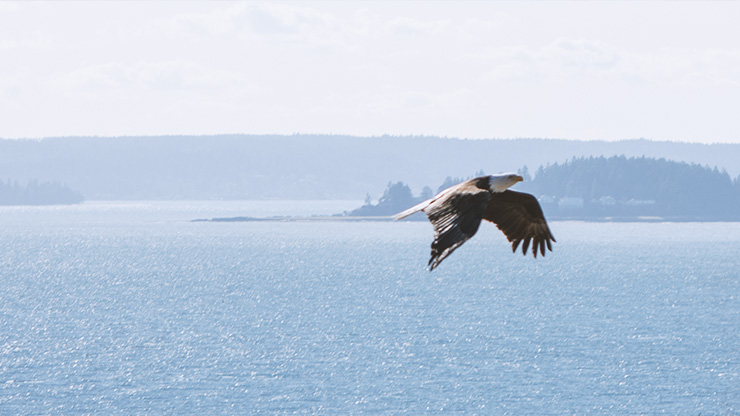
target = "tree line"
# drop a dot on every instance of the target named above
(621, 186)
(614, 187)
(300, 166)
(37, 193)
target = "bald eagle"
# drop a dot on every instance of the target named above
(457, 211)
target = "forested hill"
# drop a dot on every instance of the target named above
(37, 193)
(301, 166)
(621, 186)
(602, 188)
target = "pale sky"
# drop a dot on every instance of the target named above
(571, 70)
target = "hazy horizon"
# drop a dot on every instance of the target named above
(165, 135)
(303, 166)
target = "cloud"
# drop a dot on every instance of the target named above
(219, 21)
(476, 68)
(415, 27)
(9, 6)
(12, 86)
(560, 59)
(582, 54)
(34, 42)
(263, 22)
(721, 66)
(578, 60)
(685, 68)
(166, 76)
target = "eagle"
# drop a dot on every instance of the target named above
(457, 211)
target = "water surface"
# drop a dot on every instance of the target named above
(131, 308)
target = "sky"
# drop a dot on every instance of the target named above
(569, 70)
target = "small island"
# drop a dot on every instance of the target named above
(604, 189)
(596, 189)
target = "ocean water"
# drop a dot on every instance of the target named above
(132, 309)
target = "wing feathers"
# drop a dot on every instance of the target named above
(456, 216)
(519, 216)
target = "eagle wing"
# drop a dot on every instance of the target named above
(519, 216)
(456, 216)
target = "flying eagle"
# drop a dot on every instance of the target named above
(457, 211)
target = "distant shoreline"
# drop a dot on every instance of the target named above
(313, 218)
(339, 218)
(304, 166)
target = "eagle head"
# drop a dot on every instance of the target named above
(502, 181)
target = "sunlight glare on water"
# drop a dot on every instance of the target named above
(134, 309)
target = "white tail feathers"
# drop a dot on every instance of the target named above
(413, 210)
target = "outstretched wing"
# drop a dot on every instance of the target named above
(455, 217)
(520, 217)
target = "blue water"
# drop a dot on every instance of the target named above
(130, 308)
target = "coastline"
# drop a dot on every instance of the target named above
(340, 218)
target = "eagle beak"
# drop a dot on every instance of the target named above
(519, 178)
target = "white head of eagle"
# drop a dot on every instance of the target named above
(503, 181)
